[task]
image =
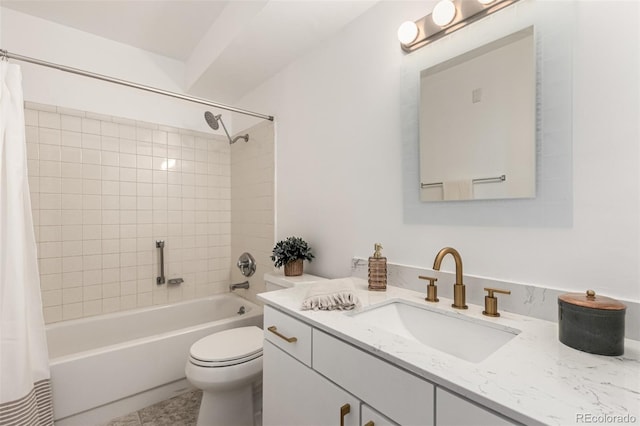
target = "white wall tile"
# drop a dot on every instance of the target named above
(90, 141)
(71, 311)
(72, 295)
(70, 139)
(49, 136)
(51, 281)
(126, 132)
(92, 307)
(90, 156)
(72, 279)
(31, 117)
(91, 277)
(109, 129)
(90, 126)
(102, 194)
(52, 314)
(71, 248)
(71, 123)
(68, 233)
(71, 217)
(112, 144)
(128, 146)
(50, 233)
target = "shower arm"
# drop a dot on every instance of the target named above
(225, 128)
(232, 141)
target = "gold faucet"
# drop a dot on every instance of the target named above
(458, 287)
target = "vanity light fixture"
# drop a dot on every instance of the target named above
(448, 16)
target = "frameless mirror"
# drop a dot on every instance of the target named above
(478, 123)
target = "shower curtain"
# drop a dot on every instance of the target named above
(25, 389)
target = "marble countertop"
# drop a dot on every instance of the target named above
(533, 379)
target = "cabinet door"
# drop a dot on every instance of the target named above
(280, 329)
(399, 395)
(296, 395)
(452, 410)
(370, 417)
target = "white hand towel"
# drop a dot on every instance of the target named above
(331, 295)
(457, 190)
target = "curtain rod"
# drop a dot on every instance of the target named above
(7, 55)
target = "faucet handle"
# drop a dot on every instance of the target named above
(432, 289)
(491, 302)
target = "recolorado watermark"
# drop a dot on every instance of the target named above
(589, 418)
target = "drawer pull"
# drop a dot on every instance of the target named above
(274, 330)
(344, 410)
(369, 423)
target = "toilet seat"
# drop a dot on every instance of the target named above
(228, 347)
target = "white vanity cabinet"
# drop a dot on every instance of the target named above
(341, 377)
(295, 395)
(452, 410)
(401, 396)
(313, 378)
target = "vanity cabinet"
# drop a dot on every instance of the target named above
(295, 395)
(310, 378)
(401, 396)
(452, 410)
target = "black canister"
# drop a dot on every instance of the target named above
(591, 324)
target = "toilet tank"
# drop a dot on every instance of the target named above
(278, 281)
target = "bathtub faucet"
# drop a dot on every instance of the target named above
(239, 285)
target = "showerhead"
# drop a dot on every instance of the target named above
(212, 120)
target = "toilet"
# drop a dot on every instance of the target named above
(227, 366)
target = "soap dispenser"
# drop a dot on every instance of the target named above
(377, 270)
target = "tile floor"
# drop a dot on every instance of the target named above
(181, 410)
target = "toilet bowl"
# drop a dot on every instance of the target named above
(226, 365)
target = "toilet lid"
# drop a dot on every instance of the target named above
(229, 345)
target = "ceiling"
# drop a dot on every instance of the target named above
(228, 47)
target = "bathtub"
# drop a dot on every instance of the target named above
(100, 361)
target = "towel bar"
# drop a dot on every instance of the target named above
(500, 178)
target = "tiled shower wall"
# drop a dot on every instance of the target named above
(104, 189)
(252, 204)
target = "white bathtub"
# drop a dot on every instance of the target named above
(98, 361)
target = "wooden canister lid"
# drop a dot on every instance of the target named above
(590, 300)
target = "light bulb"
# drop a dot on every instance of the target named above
(443, 13)
(407, 32)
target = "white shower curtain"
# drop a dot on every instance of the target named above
(25, 390)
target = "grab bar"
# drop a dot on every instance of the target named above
(161, 279)
(500, 178)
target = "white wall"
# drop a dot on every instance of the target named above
(34, 37)
(252, 200)
(339, 165)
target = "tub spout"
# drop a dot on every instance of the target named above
(239, 285)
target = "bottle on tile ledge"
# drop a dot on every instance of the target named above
(377, 270)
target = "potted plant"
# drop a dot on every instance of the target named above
(291, 253)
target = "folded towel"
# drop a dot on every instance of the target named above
(457, 190)
(331, 295)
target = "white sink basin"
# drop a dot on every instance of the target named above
(463, 337)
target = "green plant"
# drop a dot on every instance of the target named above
(293, 248)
